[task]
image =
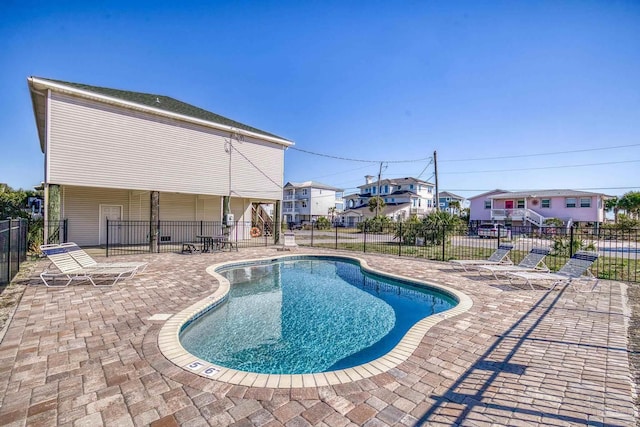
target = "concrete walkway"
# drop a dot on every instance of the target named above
(85, 356)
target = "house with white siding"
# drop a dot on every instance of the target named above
(307, 201)
(122, 155)
(403, 197)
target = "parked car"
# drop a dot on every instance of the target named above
(492, 230)
(293, 226)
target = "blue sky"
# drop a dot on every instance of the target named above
(507, 85)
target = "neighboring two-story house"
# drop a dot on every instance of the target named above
(122, 155)
(307, 201)
(403, 197)
(450, 202)
(535, 206)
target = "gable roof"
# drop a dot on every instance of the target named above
(397, 181)
(488, 193)
(152, 103)
(451, 195)
(311, 184)
(544, 193)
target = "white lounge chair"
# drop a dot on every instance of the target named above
(533, 262)
(577, 267)
(69, 269)
(85, 260)
(500, 256)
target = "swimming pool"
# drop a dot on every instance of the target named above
(171, 347)
(308, 315)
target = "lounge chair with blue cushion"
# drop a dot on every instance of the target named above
(500, 256)
(68, 269)
(533, 262)
(85, 260)
(577, 268)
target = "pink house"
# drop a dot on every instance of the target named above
(535, 206)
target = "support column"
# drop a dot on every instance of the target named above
(154, 218)
(226, 209)
(277, 219)
(52, 213)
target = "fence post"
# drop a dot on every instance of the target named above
(400, 239)
(571, 241)
(312, 233)
(336, 237)
(64, 235)
(107, 250)
(499, 232)
(9, 277)
(20, 225)
(444, 240)
(364, 239)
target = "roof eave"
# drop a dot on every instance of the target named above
(46, 84)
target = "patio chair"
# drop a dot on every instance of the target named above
(577, 267)
(500, 256)
(533, 262)
(85, 260)
(69, 269)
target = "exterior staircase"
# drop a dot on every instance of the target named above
(525, 215)
(262, 220)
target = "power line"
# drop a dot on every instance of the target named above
(515, 156)
(358, 160)
(540, 168)
(529, 189)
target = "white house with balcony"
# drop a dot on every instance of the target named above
(307, 201)
(535, 206)
(403, 197)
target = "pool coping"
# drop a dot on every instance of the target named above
(170, 346)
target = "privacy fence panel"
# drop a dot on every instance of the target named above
(13, 247)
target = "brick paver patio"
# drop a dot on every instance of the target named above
(85, 356)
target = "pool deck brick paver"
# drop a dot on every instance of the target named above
(85, 356)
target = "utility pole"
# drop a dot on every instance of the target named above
(435, 172)
(378, 191)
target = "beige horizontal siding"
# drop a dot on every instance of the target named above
(81, 207)
(92, 144)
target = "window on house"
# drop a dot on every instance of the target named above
(304, 204)
(393, 200)
(304, 191)
(399, 187)
(429, 189)
(487, 204)
(585, 202)
(411, 187)
(520, 204)
(373, 190)
(545, 203)
(570, 202)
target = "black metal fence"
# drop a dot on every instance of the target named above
(13, 247)
(619, 250)
(125, 237)
(56, 231)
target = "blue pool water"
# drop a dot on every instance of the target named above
(308, 315)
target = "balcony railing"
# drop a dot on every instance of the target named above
(518, 214)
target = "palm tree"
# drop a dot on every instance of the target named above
(332, 213)
(376, 204)
(612, 204)
(454, 206)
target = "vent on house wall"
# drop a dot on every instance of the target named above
(165, 238)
